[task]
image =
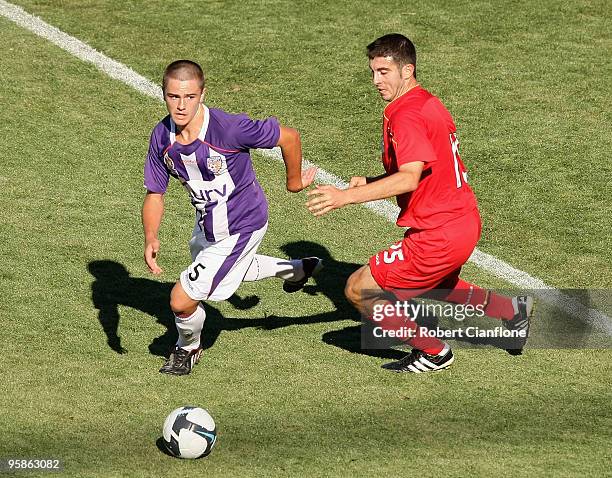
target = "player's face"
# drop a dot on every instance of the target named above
(182, 99)
(389, 79)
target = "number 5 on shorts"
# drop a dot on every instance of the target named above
(396, 253)
(193, 276)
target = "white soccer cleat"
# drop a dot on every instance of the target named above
(418, 361)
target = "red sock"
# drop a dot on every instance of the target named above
(420, 341)
(499, 307)
(462, 292)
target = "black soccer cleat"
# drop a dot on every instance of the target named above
(181, 361)
(523, 311)
(418, 361)
(311, 266)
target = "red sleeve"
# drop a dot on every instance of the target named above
(410, 140)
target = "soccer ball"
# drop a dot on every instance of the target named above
(189, 432)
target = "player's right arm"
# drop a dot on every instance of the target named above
(152, 213)
(156, 177)
(357, 181)
(326, 198)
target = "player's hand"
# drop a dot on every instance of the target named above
(326, 198)
(357, 181)
(308, 176)
(296, 184)
(150, 256)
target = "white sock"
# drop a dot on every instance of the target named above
(263, 267)
(189, 329)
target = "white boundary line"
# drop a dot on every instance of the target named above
(385, 209)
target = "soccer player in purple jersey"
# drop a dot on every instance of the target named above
(207, 150)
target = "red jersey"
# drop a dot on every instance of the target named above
(417, 127)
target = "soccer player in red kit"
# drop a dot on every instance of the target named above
(424, 171)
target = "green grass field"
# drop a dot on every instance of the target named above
(528, 85)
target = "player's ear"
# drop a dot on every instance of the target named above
(408, 70)
(202, 95)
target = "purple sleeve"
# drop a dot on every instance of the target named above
(256, 133)
(156, 176)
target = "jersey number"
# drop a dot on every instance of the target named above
(193, 276)
(460, 176)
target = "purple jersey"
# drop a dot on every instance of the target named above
(215, 169)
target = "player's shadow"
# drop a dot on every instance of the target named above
(330, 282)
(113, 287)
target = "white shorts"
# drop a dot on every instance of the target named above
(218, 267)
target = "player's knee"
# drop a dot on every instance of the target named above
(352, 290)
(180, 302)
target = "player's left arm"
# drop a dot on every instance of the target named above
(326, 198)
(291, 148)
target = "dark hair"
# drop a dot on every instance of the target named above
(183, 70)
(395, 45)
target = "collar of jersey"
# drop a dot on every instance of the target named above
(203, 130)
(398, 101)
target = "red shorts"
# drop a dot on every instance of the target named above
(426, 258)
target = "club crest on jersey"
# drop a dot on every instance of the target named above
(170, 164)
(216, 164)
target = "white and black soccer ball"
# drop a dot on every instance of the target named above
(189, 432)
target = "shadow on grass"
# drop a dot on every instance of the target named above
(161, 446)
(113, 287)
(331, 283)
